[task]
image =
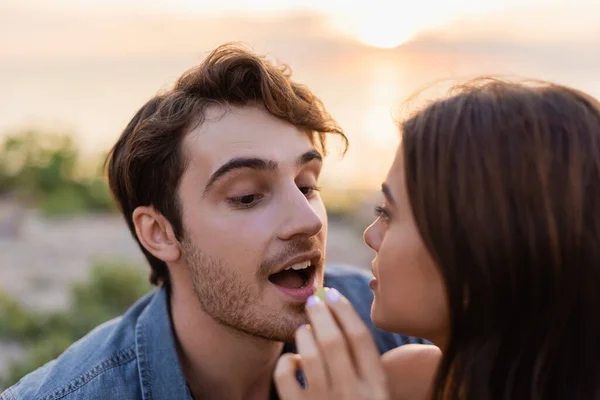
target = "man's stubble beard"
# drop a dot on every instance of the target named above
(223, 295)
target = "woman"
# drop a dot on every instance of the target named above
(488, 245)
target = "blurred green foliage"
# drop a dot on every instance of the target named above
(112, 288)
(44, 171)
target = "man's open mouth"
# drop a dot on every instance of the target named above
(297, 276)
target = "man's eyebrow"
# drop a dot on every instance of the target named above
(257, 164)
(308, 157)
(237, 163)
(387, 193)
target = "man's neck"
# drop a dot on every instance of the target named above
(219, 362)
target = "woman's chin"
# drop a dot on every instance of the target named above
(380, 319)
(389, 322)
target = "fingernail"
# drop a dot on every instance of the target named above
(321, 293)
(313, 301)
(332, 296)
(303, 326)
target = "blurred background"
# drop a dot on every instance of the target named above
(73, 72)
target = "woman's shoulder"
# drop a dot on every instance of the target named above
(410, 370)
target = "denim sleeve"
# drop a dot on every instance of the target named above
(354, 285)
(7, 395)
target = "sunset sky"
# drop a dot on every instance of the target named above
(378, 23)
(87, 65)
(382, 23)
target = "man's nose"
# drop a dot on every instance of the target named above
(299, 217)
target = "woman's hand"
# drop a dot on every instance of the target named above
(336, 353)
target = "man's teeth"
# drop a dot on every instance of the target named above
(296, 267)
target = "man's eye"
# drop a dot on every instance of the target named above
(308, 190)
(246, 201)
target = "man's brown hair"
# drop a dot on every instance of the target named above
(145, 166)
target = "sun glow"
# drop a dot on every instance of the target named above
(385, 31)
(383, 24)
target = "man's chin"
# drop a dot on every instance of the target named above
(285, 330)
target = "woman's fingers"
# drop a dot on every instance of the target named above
(336, 353)
(364, 351)
(332, 343)
(286, 383)
(311, 362)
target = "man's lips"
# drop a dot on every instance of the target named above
(314, 256)
(310, 273)
(303, 293)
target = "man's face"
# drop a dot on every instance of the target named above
(250, 211)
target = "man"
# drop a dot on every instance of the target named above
(217, 180)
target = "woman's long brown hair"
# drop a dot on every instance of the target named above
(504, 183)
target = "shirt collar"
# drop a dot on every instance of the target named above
(161, 376)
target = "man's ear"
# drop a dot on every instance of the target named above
(156, 234)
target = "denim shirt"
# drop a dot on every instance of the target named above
(134, 356)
